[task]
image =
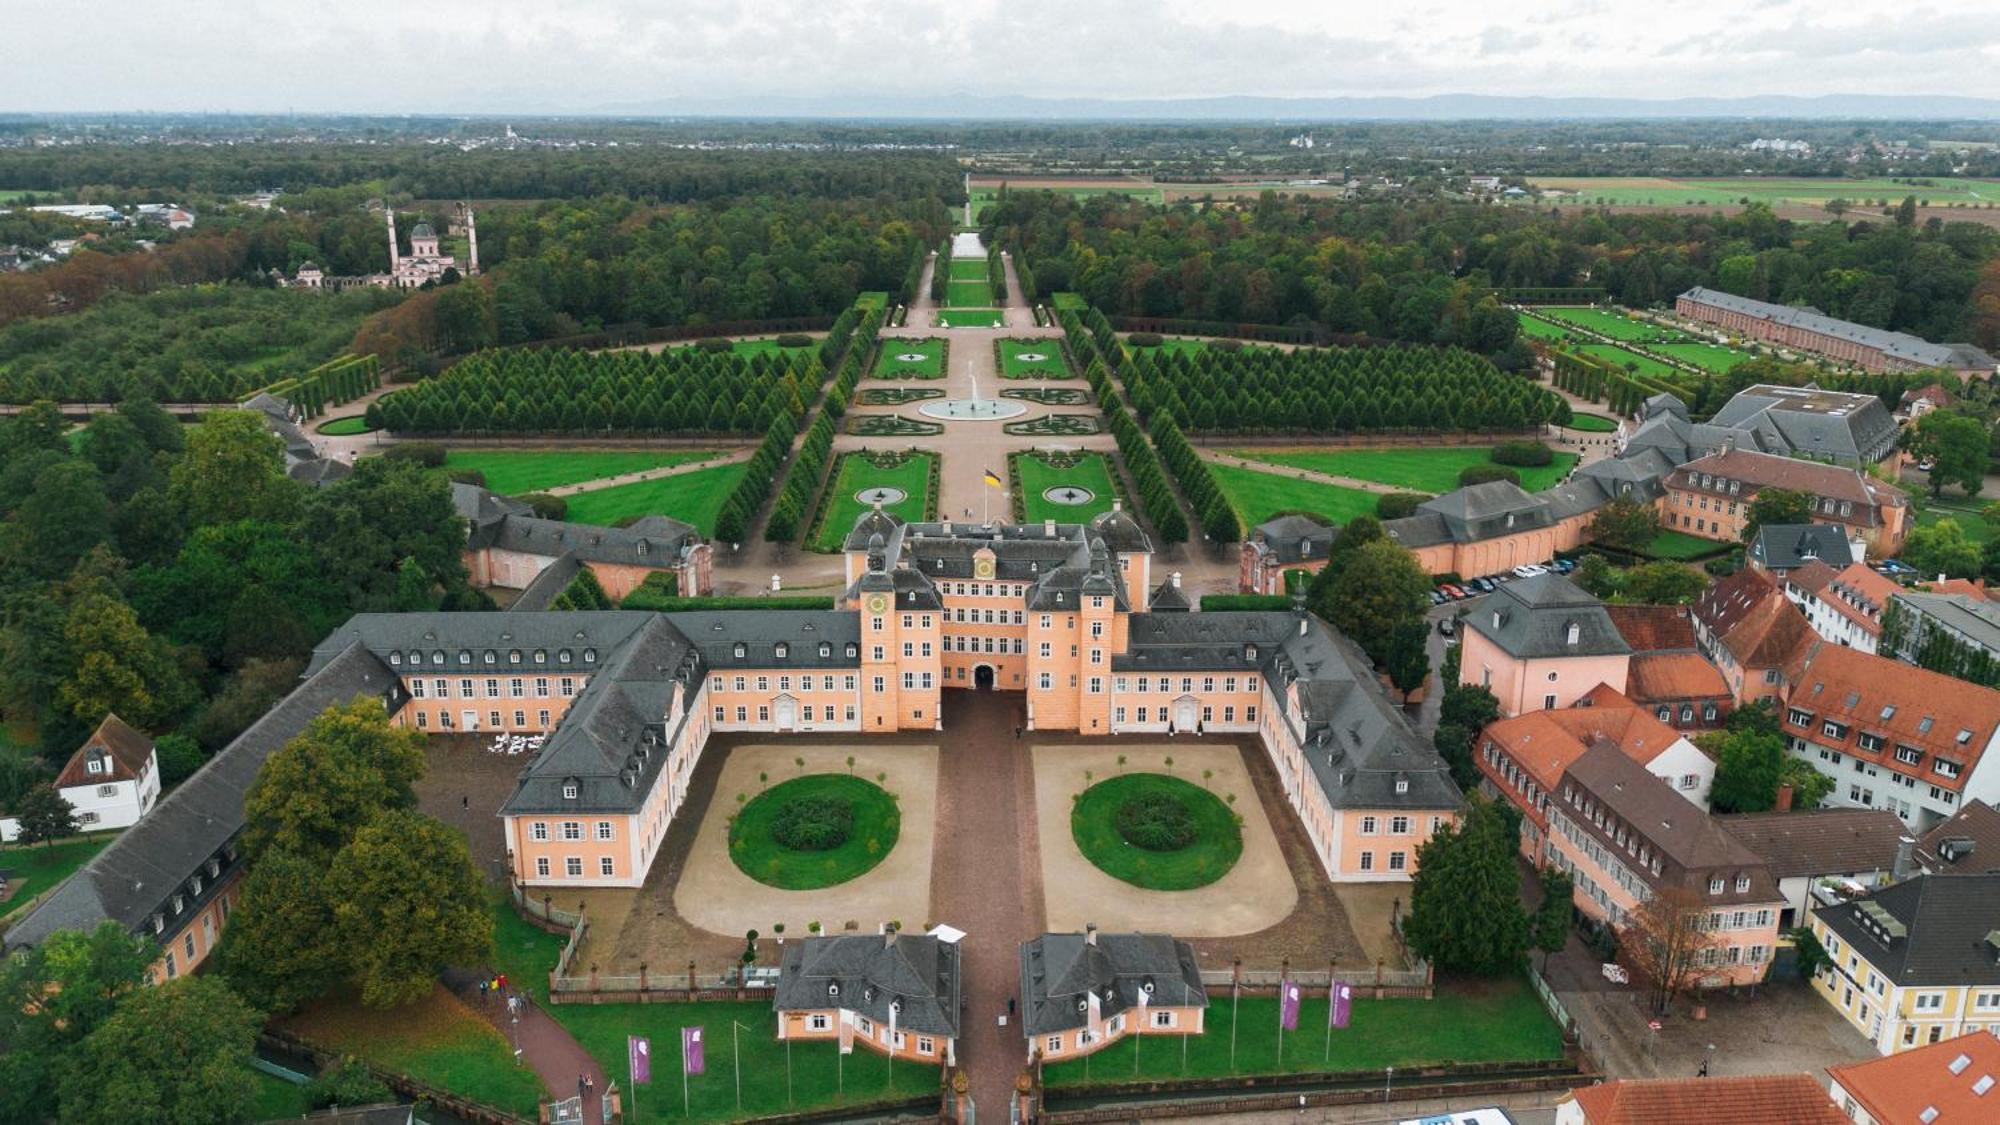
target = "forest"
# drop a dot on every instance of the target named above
(204, 343)
(1416, 271)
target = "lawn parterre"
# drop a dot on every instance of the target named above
(1625, 359)
(512, 472)
(1679, 545)
(695, 497)
(971, 318)
(1031, 359)
(1616, 326)
(1632, 191)
(1037, 472)
(1156, 832)
(1713, 358)
(1257, 496)
(969, 294)
(862, 469)
(1172, 345)
(438, 1040)
(1592, 424)
(912, 359)
(815, 831)
(1486, 1021)
(1433, 470)
(349, 426)
(749, 348)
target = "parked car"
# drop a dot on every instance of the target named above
(1564, 566)
(1530, 570)
(1446, 626)
(1437, 597)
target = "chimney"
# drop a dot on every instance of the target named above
(1906, 864)
(1784, 803)
(1090, 933)
(889, 935)
(1176, 576)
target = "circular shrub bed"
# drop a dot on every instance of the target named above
(346, 427)
(815, 831)
(1156, 831)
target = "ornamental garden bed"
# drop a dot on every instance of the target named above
(912, 473)
(897, 396)
(912, 359)
(1155, 831)
(1048, 396)
(815, 831)
(1056, 425)
(891, 425)
(1030, 359)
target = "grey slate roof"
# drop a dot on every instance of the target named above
(1819, 841)
(1168, 598)
(1295, 538)
(485, 644)
(1901, 345)
(546, 587)
(502, 522)
(1788, 546)
(138, 873)
(1531, 618)
(865, 973)
(1946, 918)
(1976, 619)
(1060, 971)
(1850, 428)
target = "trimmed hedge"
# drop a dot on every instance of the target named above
(1525, 453)
(1481, 474)
(1396, 505)
(1223, 603)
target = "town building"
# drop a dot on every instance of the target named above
(1922, 400)
(627, 701)
(1710, 497)
(1626, 836)
(510, 547)
(1917, 962)
(1493, 527)
(1523, 759)
(1950, 630)
(899, 995)
(1280, 547)
(1809, 330)
(1082, 992)
(1891, 736)
(1668, 675)
(1750, 631)
(1843, 606)
(1850, 847)
(1541, 643)
(1778, 549)
(111, 781)
(1805, 422)
(1967, 840)
(1763, 1099)
(1939, 1083)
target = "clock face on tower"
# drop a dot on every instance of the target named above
(877, 603)
(982, 568)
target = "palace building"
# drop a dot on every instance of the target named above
(1066, 614)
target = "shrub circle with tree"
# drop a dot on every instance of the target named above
(1156, 832)
(819, 830)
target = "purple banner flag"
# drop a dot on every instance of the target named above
(691, 1051)
(1288, 1005)
(1342, 1006)
(639, 1056)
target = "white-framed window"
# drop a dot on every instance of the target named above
(1715, 885)
(572, 830)
(1399, 826)
(1163, 1019)
(573, 866)
(604, 830)
(1367, 861)
(818, 1022)
(1053, 1044)
(569, 790)
(926, 1045)
(1930, 1001)
(1398, 861)
(1368, 825)
(538, 830)
(542, 866)
(606, 866)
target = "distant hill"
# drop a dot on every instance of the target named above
(1441, 107)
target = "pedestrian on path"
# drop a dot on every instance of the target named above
(465, 802)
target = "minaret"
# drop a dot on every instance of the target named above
(471, 243)
(395, 259)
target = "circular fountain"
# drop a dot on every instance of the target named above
(1069, 494)
(881, 496)
(974, 409)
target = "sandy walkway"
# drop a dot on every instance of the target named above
(1256, 894)
(714, 895)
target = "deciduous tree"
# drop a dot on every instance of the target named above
(45, 816)
(1777, 506)
(176, 1053)
(410, 904)
(1663, 941)
(1626, 524)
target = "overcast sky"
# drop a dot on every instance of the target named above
(518, 56)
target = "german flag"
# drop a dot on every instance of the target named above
(992, 478)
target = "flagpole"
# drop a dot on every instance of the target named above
(685, 1111)
(1235, 1006)
(631, 1081)
(736, 1062)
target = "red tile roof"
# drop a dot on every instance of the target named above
(1664, 677)
(1903, 704)
(125, 752)
(1764, 1099)
(1897, 1089)
(1720, 607)
(1812, 577)
(1652, 628)
(1771, 634)
(1816, 478)
(1859, 594)
(1544, 743)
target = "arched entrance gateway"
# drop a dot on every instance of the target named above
(982, 677)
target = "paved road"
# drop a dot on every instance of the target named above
(986, 818)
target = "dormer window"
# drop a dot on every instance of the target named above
(465, 656)
(825, 650)
(1402, 785)
(643, 547)
(437, 658)
(569, 790)
(783, 650)
(562, 656)
(179, 902)
(1742, 884)
(95, 765)
(741, 650)
(833, 989)
(853, 650)
(590, 656)
(1249, 652)
(395, 659)
(1572, 633)
(490, 657)
(514, 656)
(159, 924)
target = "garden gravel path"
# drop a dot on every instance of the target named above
(729, 458)
(543, 1045)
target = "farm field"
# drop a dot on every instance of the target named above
(988, 193)
(911, 359)
(1049, 364)
(1432, 470)
(860, 470)
(693, 497)
(1625, 359)
(512, 472)
(1035, 476)
(1810, 191)
(1259, 496)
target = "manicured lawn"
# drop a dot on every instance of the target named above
(1258, 496)
(1172, 345)
(439, 1040)
(1036, 476)
(277, 1099)
(346, 427)
(1620, 358)
(1538, 329)
(872, 299)
(1067, 301)
(40, 867)
(968, 269)
(925, 359)
(1592, 424)
(969, 294)
(1215, 841)
(693, 497)
(818, 1075)
(1433, 470)
(863, 470)
(512, 472)
(1486, 1021)
(1679, 545)
(971, 318)
(1713, 358)
(1971, 522)
(1610, 324)
(1049, 366)
(872, 825)
(523, 951)
(750, 348)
